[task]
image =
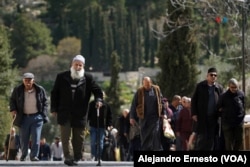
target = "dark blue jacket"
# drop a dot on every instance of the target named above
(17, 103)
(44, 152)
(232, 107)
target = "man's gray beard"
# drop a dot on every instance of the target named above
(76, 74)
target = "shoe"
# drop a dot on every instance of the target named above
(34, 159)
(70, 162)
(77, 160)
(23, 158)
(93, 159)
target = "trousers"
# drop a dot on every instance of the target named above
(72, 141)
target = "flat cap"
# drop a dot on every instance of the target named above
(28, 75)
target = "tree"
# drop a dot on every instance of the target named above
(67, 48)
(30, 38)
(114, 91)
(177, 55)
(8, 80)
(44, 67)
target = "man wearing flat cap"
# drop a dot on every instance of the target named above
(203, 108)
(29, 105)
(69, 101)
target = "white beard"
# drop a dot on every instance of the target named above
(76, 74)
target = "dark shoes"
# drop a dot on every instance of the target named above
(70, 162)
(34, 159)
(22, 159)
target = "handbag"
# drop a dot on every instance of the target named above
(134, 131)
(168, 131)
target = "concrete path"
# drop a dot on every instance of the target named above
(61, 164)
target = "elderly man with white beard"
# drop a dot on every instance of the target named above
(69, 102)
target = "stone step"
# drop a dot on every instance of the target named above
(60, 163)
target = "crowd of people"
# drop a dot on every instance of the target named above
(47, 152)
(199, 122)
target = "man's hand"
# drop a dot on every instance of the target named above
(98, 104)
(54, 114)
(132, 121)
(194, 117)
(14, 113)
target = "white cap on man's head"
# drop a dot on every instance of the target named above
(79, 58)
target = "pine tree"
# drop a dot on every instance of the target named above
(177, 56)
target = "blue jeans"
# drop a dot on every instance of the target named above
(93, 136)
(31, 126)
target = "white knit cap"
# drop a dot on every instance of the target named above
(79, 58)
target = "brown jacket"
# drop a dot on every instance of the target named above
(140, 106)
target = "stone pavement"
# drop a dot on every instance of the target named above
(4, 163)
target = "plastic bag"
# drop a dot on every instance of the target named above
(168, 131)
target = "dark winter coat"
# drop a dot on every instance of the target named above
(73, 109)
(199, 103)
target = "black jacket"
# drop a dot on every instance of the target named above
(199, 103)
(17, 141)
(105, 115)
(74, 109)
(232, 107)
(17, 102)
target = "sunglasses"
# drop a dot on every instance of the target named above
(213, 75)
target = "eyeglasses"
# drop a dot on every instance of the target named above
(233, 87)
(213, 75)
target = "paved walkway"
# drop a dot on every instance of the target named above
(60, 163)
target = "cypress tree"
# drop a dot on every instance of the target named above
(153, 46)
(147, 41)
(177, 55)
(85, 37)
(114, 91)
(127, 65)
(134, 40)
